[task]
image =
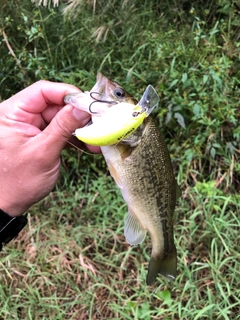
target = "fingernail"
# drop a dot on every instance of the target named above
(79, 114)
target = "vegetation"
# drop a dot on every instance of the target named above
(72, 261)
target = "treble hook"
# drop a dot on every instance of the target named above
(98, 100)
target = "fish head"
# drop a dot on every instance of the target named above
(106, 90)
(109, 91)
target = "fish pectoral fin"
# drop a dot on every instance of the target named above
(125, 150)
(134, 232)
(178, 191)
(167, 267)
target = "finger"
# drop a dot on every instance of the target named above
(54, 137)
(36, 98)
(93, 149)
(74, 142)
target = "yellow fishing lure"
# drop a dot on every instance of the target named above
(119, 121)
(116, 124)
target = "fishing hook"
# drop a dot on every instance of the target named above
(98, 100)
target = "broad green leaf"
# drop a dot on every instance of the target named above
(180, 119)
(184, 77)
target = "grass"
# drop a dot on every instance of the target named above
(76, 263)
(72, 260)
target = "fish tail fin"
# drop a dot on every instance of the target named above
(167, 267)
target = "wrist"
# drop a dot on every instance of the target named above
(12, 209)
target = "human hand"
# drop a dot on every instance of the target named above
(34, 128)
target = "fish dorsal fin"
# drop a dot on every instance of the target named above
(178, 191)
(133, 230)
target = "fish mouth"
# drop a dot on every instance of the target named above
(98, 92)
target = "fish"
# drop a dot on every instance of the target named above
(141, 166)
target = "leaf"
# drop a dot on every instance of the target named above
(196, 110)
(165, 295)
(168, 117)
(173, 83)
(180, 119)
(219, 81)
(213, 152)
(25, 18)
(205, 79)
(34, 30)
(235, 22)
(231, 147)
(189, 155)
(184, 77)
(213, 32)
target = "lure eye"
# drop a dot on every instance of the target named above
(119, 93)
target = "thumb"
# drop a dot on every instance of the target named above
(54, 137)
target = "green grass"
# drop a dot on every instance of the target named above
(72, 260)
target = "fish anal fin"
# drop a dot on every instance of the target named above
(134, 232)
(167, 267)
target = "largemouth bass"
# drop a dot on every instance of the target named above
(141, 168)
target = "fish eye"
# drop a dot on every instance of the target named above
(119, 93)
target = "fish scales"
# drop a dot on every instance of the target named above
(148, 186)
(157, 187)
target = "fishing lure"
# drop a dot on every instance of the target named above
(117, 122)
